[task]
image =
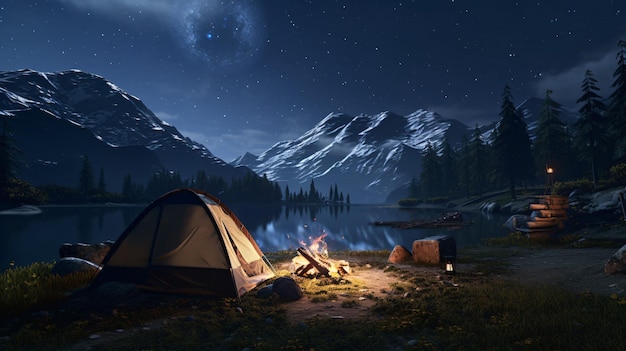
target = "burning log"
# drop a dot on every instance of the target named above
(310, 264)
(321, 268)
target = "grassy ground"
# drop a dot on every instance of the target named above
(473, 310)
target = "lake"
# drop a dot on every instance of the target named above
(37, 238)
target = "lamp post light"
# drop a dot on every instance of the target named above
(549, 178)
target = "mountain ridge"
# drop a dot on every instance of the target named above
(370, 156)
(367, 156)
(118, 119)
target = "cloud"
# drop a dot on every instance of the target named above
(229, 146)
(165, 116)
(467, 115)
(566, 85)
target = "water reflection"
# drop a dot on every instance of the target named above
(349, 228)
(27, 239)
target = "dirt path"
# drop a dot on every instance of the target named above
(375, 283)
(575, 270)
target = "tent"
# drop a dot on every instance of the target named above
(186, 241)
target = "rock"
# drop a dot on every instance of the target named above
(617, 263)
(69, 265)
(516, 207)
(604, 201)
(93, 253)
(399, 254)
(265, 292)
(432, 250)
(287, 289)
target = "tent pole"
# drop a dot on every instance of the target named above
(266, 260)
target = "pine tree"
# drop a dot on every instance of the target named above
(478, 162)
(617, 106)
(590, 136)
(8, 150)
(301, 195)
(127, 187)
(85, 181)
(312, 192)
(511, 145)
(449, 174)
(430, 177)
(101, 184)
(201, 180)
(465, 174)
(551, 143)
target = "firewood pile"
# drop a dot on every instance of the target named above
(311, 265)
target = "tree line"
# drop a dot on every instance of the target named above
(314, 196)
(250, 188)
(93, 188)
(593, 149)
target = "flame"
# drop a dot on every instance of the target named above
(318, 246)
(318, 250)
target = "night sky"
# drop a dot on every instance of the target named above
(240, 76)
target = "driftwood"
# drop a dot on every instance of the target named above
(447, 219)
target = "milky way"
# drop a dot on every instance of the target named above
(224, 37)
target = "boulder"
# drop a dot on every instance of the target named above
(69, 265)
(617, 263)
(399, 254)
(432, 250)
(92, 253)
(287, 289)
(266, 291)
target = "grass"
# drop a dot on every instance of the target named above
(484, 312)
(31, 287)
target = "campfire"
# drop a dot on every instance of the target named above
(313, 261)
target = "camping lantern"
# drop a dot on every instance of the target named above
(449, 265)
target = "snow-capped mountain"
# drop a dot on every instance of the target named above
(57, 118)
(372, 158)
(366, 156)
